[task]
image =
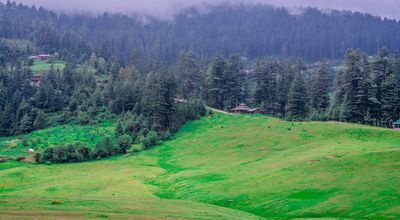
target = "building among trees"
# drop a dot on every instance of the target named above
(244, 109)
(41, 57)
(36, 80)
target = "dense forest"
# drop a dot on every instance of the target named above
(153, 76)
(254, 31)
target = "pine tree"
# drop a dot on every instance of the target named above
(396, 91)
(298, 100)
(115, 68)
(214, 94)
(234, 79)
(152, 104)
(339, 96)
(320, 91)
(381, 71)
(3, 96)
(188, 76)
(349, 104)
(266, 85)
(7, 118)
(354, 76)
(284, 83)
(93, 60)
(125, 91)
(169, 97)
(366, 94)
(388, 98)
(101, 66)
(40, 121)
(25, 125)
(158, 99)
(68, 79)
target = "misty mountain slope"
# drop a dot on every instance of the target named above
(259, 165)
(252, 30)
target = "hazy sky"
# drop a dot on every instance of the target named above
(388, 8)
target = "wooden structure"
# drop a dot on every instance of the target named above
(41, 57)
(36, 80)
(44, 57)
(244, 109)
(396, 125)
(33, 57)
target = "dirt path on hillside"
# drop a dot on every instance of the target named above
(220, 111)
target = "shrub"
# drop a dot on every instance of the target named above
(99, 152)
(83, 118)
(36, 141)
(57, 202)
(65, 153)
(104, 148)
(150, 140)
(24, 142)
(166, 135)
(92, 135)
(48, 155)
(83, 152)
(20, 158)
(37, 157)
(124, 143)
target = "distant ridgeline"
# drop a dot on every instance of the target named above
(252, 30)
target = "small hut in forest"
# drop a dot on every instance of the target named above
(36, 80)
(396, 125)
(44, 57)
(244, 109)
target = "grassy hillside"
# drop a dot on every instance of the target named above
(223, 167)
(64, 134)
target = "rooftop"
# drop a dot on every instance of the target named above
(242, 107)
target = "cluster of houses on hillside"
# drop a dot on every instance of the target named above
(36, 80)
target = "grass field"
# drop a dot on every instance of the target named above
(64, 134)
(41, 67)
(222, 167)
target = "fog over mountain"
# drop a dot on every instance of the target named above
(167, 8)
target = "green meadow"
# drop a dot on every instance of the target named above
(220, 167)
(41, 67)
(63, 134)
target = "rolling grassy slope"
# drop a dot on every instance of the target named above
(223, 167)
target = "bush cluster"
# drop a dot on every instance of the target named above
(80, 152)
(142, 131)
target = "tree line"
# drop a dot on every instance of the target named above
(363, 89)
